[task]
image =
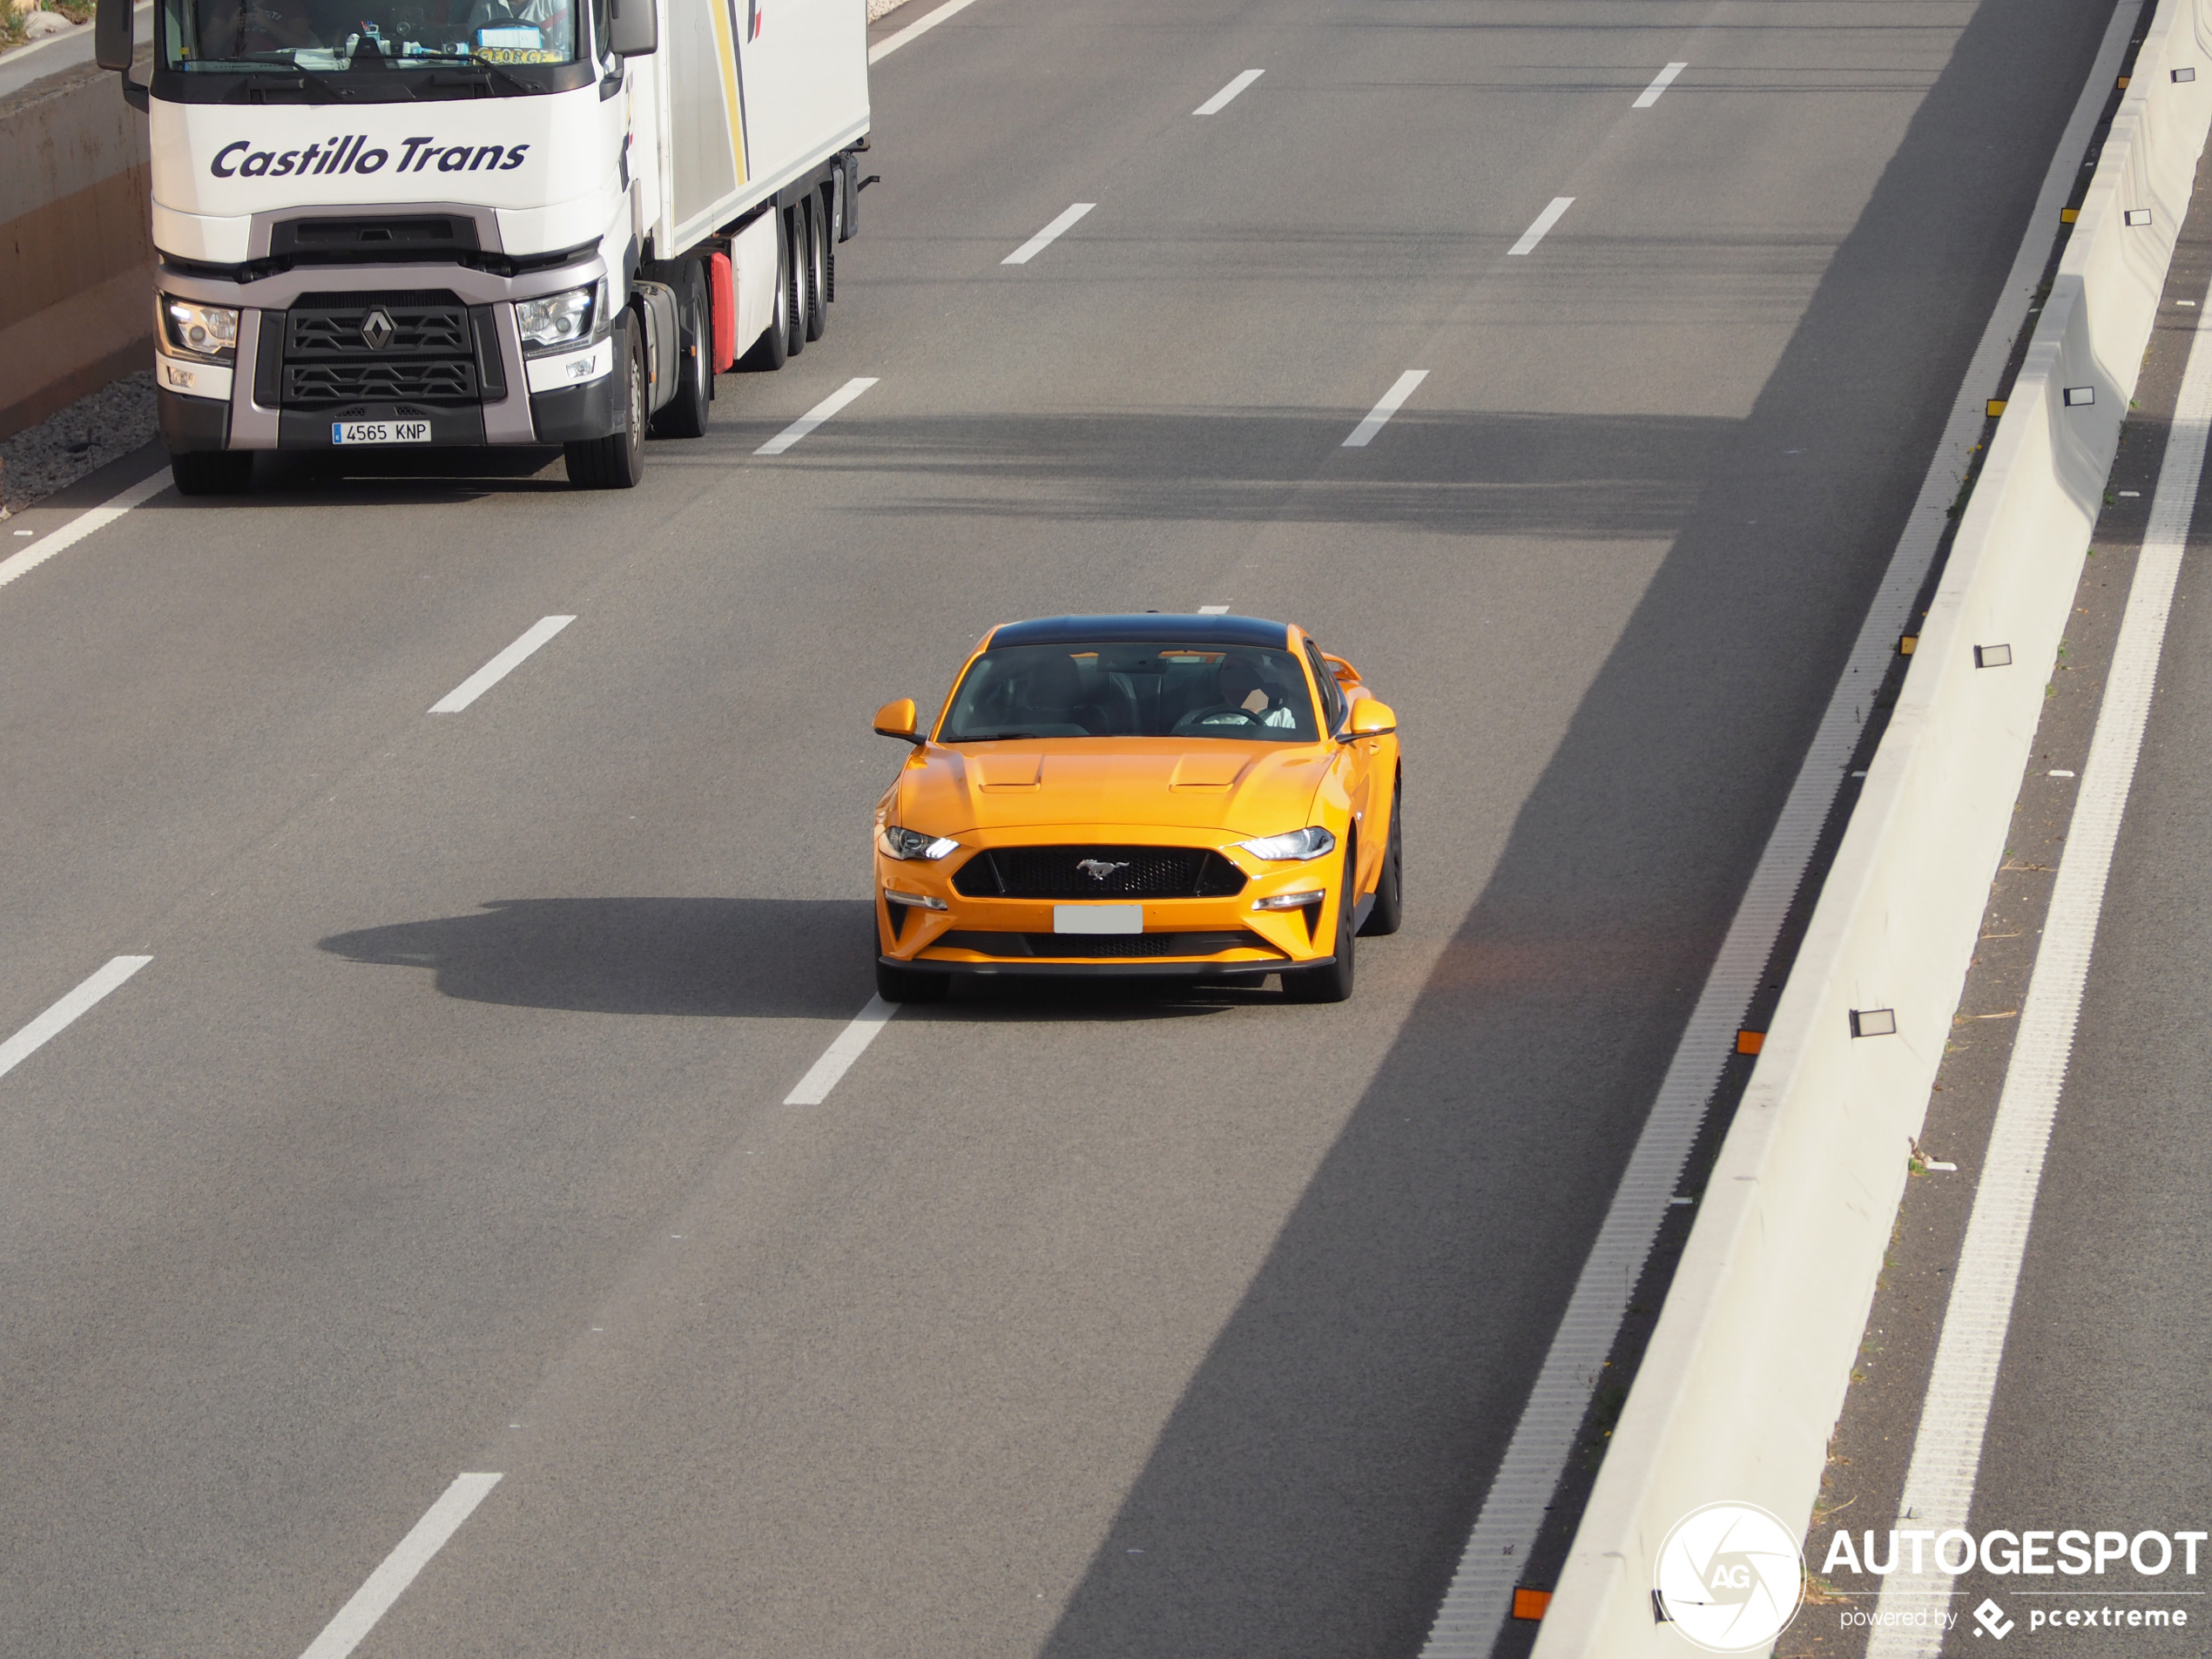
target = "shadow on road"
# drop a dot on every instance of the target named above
(716, 958)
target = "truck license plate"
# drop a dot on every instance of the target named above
(380, 432)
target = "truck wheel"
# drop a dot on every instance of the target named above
(684, 415)
(774, 347)
(618, 460)
(212, 472)
(795, 335)
(816, 271)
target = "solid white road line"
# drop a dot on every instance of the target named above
(1650, 94)
(23, 560)
(815, 416)
(383, 1587)
(58, 1018)
(1497, 1548)
(1363, 433)
(1220, 100)
(500, 666)
(1045, 238)
(1213, 611)
(1947, 1451)
(1545, 221)
(890, 44)
(836, 1059)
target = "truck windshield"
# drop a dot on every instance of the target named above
(1117, 689)
(327, 37)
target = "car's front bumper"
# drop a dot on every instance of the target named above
(1182, 936)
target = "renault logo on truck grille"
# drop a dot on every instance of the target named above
(377, 329)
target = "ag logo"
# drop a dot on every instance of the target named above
(1729, 1576)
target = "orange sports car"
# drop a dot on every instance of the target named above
(1140, 795)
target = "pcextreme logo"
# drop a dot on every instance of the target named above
(352, 153)
(1729, 1577)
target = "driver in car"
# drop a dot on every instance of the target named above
(1242, 687)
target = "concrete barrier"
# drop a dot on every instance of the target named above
(1746, 1371)
(76, 244)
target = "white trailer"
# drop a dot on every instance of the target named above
(452, 223)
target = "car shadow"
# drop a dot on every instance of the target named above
(726, 959)
(711, 958)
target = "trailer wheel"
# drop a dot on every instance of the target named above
(774, 347)
(795, 281)
(618, 460)
(817, 274)
(684, 415)
(211, 472)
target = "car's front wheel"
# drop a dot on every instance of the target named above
(1390, 887)
(1331, 983)
(910, 984)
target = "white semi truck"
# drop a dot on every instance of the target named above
(452, 223)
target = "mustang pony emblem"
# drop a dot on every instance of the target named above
(1099, 869)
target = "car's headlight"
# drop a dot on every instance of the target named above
(209, 332)
(913, 844)
(1308, 843)
(558, 320)
(1298, 901)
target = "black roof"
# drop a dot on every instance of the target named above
(1169, 628)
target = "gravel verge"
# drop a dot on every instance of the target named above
(86, 435)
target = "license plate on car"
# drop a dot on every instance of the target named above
(380, 432)
(1098, 918)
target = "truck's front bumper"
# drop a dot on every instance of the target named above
(253, 412)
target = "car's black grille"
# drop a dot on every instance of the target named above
(1100, 947)
(1113, 873)
(332, 355)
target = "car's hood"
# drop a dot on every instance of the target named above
(1167, 783)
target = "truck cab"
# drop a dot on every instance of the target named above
(449, 224)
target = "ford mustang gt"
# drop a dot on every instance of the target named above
(1150, 794)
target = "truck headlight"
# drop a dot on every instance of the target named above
(559, 319)
(209, 333)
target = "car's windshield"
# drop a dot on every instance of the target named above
(1143, 690)
(328, 36)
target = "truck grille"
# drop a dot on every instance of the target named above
(1139, 872)
(334, 354)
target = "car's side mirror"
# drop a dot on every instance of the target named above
(1371, 718)
(897, 720)
(634, 31)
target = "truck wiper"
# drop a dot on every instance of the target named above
(307, 81)
(481, 73)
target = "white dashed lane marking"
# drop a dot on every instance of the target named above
(1045, 238)
(1363, 433)
(500, 666)
(65, 1013)
(815, 416)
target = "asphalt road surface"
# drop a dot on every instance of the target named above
(443, 1130)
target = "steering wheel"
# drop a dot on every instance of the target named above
(1212, 715)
